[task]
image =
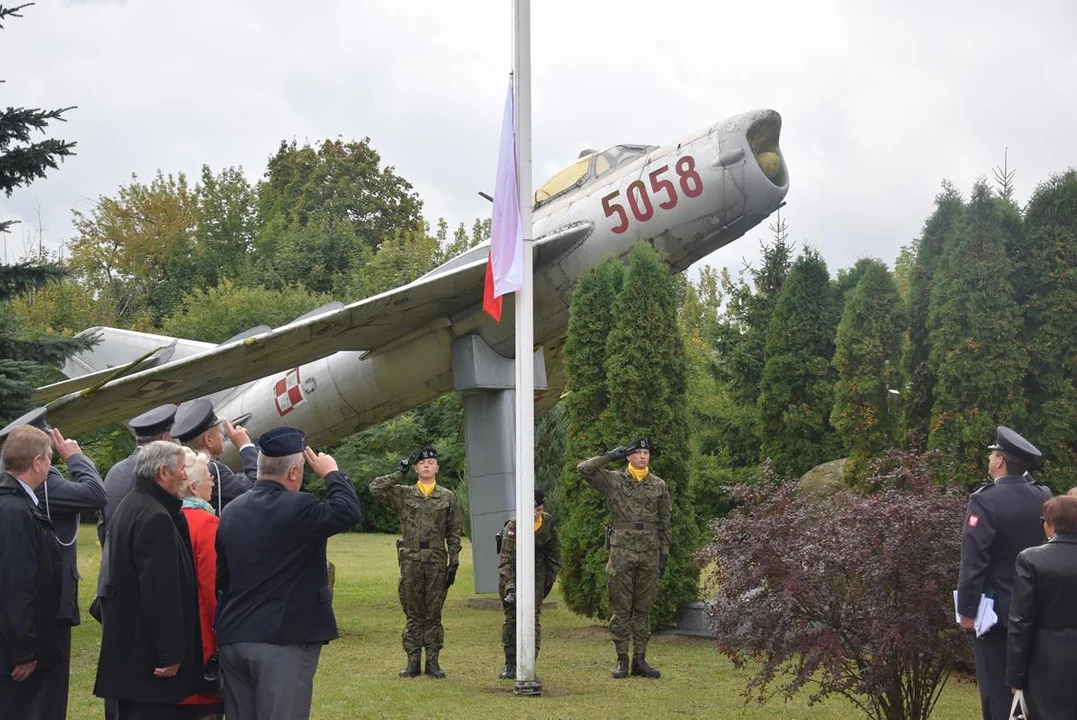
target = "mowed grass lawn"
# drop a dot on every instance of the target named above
(357, 675)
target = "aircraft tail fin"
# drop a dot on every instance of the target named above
(117, 353)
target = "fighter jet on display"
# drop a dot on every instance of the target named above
(342, 368)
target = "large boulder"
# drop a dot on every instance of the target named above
(824, 480)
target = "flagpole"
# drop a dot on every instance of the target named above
(527, 682)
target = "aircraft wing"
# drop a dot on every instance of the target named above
(364, 325)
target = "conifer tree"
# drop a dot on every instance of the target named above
(919, 374)
(866, 359)
(739, 339)
(646, 383)
(1045, 282)
(974, 331)
(583, 511)
(21, 162)
(797, 389)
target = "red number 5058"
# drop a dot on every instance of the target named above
(639, 199)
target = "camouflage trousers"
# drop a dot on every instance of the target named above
(632, 581)
(422, 595)
(508, 629)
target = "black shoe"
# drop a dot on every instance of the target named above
(641, 668)
(509, 673)
(433, 669)
(412, 669)
(622, 667)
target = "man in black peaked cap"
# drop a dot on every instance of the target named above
(198, 427)
(1003, 519)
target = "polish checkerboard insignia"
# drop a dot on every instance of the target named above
(287, 393)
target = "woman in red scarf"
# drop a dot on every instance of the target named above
(202, 520)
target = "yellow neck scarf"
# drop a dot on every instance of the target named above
(426, 489)
(538, 523)
(639, 474)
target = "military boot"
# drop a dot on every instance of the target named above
(412, 669)
(641, 668)
(433, 669)
(509, 673)
(622, 667)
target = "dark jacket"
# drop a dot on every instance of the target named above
(119, 480)
(1041, 647)
(64, 501)
(151, 612)
(29, 581)
(271, 566)
(1003, 519)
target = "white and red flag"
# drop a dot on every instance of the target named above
(504, 265)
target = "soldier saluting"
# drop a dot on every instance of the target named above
(639, 539)
(428, 553)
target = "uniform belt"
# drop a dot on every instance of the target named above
(415, 544)
(635, 526)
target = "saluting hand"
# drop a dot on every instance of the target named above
(237, 434)
(321, 464)
(66, 448)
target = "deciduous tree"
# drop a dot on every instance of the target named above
(850, 594)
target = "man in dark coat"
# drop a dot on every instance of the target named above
(29, 578)
(63, 502)
(1003, 519)
(148, 427)
(1041, 646)
(151, 642)
(276, 607)
(198, 427)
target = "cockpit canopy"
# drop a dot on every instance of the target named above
(590, 166)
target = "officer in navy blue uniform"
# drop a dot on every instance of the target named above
(198, 427)
(1003, 519)
(63, 501)
(275, 609)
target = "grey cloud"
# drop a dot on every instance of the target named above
(879, 103)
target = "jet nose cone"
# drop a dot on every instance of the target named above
(763, 134)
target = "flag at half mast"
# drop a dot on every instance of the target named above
(504, 265)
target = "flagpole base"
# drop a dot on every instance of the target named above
(528, 687)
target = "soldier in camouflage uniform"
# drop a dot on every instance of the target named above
(547, 563)
(639, 539)
(428, 553)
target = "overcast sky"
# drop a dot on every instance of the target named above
(880, 101)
